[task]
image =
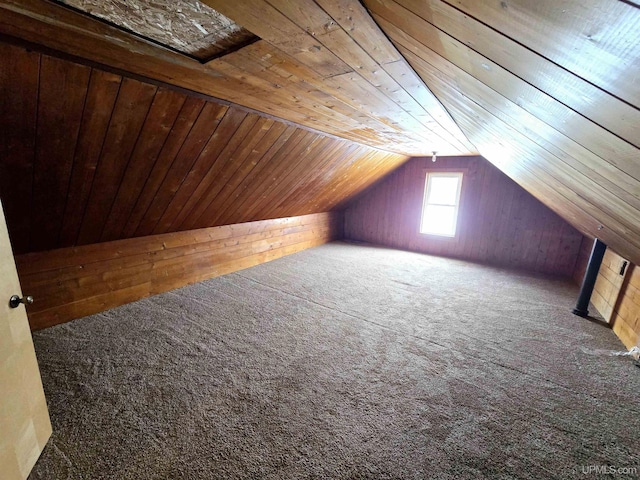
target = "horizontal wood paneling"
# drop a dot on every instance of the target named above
(625, 319)
(90, 156)
(608, 284)
(74, 282)
(616, 297)
(499, 222)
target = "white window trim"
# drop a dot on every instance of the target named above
(431, 174)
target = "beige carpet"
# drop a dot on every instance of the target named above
(345, 362)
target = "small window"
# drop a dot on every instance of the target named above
(441, 203)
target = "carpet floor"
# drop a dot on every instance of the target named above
(342, 362)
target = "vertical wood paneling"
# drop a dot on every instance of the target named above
(19, 77)
(246, 188)
(335, 171)
(189, 194)
(118, 158)
(158, 123)
(186, 196)
(319, 155)
(131, 108)
(101, 97)
(287, 180)
(616, 297)
(187, 117)
(252, 188)
(271, 142)
(61, 100)
(329, 168)
(498, 223)
(200, 133)
(295, 149)
(569, 245)
(249, 131)
(225, 168)
(586, 244)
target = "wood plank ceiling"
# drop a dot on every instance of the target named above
(547, 91)
(339, 75)
(88, 156)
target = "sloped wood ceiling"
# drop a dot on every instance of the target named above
(548, 91)
(87, 156)
(338, 74)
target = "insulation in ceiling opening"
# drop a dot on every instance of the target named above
(187, 26)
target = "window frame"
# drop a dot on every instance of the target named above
(460, 173)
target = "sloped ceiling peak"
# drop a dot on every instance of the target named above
(349, 58)
(545, 91)
(323, 65)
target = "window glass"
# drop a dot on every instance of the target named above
(441, 203)
(443, 190)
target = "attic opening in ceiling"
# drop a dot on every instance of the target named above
(185, 26)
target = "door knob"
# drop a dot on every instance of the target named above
(15, 300)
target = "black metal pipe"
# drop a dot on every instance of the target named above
(589, 280)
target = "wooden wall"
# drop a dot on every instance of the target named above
(88, 156)
(499, 223)
(616, 297)
(544, 90)
(74, 282)
(608, 284)
(625, 319)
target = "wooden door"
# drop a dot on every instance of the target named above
(24, 418)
